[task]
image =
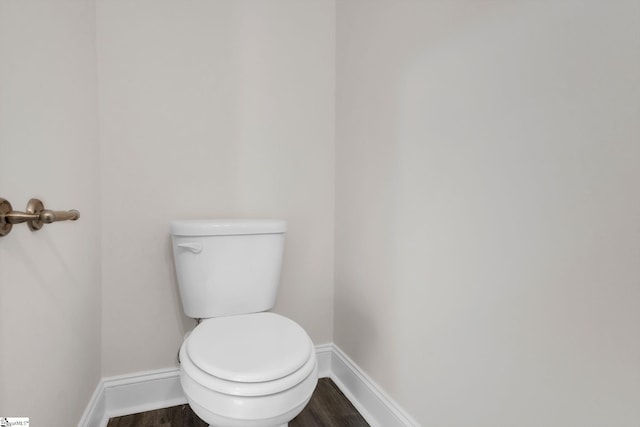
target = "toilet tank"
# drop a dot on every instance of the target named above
(227, 267)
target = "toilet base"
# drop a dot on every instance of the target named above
(221, 421)
(281, 425)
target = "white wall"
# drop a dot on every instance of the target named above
(50, 357)
(487, 209)
(211, 109)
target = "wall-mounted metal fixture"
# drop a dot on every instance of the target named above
(35, 216)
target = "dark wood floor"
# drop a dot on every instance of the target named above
(328, 408)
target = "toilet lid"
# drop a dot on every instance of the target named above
(250, 347)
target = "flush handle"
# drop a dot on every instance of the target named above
(194, 247)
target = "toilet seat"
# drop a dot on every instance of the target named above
(248, 355)
(249, 348)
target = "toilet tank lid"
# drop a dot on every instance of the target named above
(226, 227)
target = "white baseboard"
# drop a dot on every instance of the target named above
(324, 353)
(95, 414)
(130, 394)
(145, 391)
(368, 397)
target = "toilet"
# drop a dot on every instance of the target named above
(242, 366)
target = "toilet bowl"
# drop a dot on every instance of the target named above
(249, 370)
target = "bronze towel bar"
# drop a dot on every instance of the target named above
(35, 216)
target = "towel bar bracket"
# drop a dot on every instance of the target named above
(5, 208)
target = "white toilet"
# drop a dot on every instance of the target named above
(241, 366)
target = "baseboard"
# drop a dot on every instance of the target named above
(146, 391)
(130, 394)
(324, 353)
(95, 413)
(370, 400)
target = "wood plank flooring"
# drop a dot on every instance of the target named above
(328, 408)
